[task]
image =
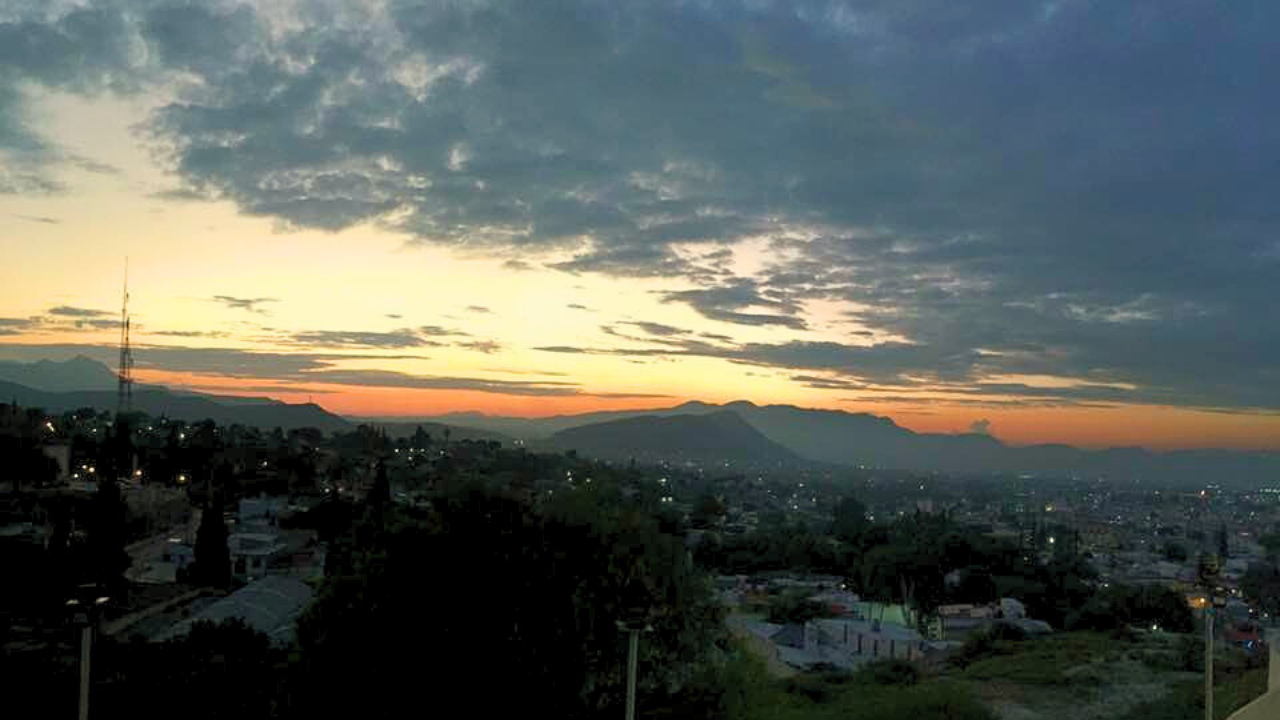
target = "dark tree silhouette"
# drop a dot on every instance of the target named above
(213, 557)
(850, 520)
(108, 534)
(541, 589)
(380, 494)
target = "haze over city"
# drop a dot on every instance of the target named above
(1050, 222)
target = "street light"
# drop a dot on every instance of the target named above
(1218, 602)
(634, 627)
(85, 614)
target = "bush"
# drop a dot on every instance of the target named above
(816, 688)
(889, 672)
(993, 641)
(1003, 631)
(793, 608)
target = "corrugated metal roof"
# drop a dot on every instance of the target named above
(270, 605)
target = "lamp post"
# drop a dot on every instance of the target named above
(85, 611)
(1208, 661)
(634, 628)
(1216, 601)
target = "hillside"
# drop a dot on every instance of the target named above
(705, 439)
(266, 413)
(436, 430)
(539, 428)
(865, 440)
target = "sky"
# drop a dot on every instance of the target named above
(1050, 222)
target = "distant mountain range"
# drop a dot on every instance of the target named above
(82, 382)
(705, 439)
(865, 440)
(436, 430)
(740, 431)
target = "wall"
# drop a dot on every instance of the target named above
(1266, 706)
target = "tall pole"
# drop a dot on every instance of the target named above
(1208, 662)
(124, 391)
(86, 640)
(85, 615)
(633, 654)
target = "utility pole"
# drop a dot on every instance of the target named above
(85, 614)
(1216, 600)
(86, 642)
(634, 627)
(1208, 661)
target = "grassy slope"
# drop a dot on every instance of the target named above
(1068, 676)
(1095, 676)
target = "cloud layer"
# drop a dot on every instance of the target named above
(1067, 188)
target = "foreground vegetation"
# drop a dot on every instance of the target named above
(882, 691)
(1114, 675)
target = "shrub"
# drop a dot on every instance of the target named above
(889, 672)
(1007, 632)
(988, 643)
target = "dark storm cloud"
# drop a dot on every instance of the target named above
(1065, 188)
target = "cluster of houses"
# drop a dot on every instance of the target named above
(277, 568)
(858, 631)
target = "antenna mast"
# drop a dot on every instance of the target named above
(124, 394)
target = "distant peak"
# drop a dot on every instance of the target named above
(693, 404)
(741, 403)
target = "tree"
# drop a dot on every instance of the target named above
(1175, 552)
(1270, 545)
(796, 608)
(421, 439)
(380, 493)
(1121, 605)
(1261, 585)
(708, 512)
(108, 534)
(224, 670)
(543, 590)
(213, 556)
(850, 520)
